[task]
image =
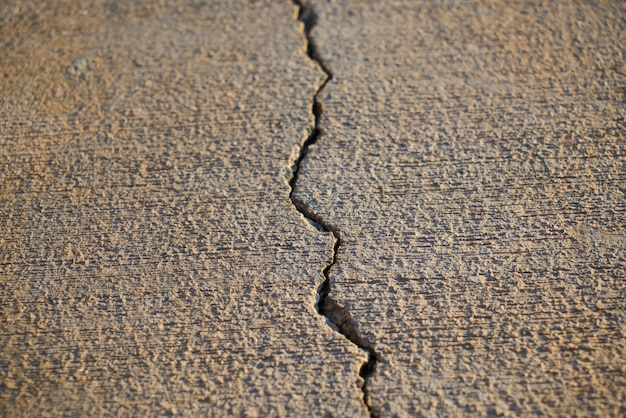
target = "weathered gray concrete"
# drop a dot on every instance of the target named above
(152, 262)
(472, 161)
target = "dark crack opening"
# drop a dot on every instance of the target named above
(338, 316)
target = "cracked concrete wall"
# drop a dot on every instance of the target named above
(151, 261)
(472, 160)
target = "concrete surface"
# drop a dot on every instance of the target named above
(152, 262)
(468, 157)
(472, 161)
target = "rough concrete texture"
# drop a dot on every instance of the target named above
(470, 157)
(472, 161)
(151, 260)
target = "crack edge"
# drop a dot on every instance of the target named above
(337, 317)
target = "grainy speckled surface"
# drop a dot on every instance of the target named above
(151, 261)
(472, 158)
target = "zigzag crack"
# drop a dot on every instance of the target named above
(338, 317)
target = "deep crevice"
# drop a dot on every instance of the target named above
(337, 316)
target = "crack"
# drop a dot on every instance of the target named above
(338, 317)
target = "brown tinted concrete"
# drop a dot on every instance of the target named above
(152, 262)
(472, 161)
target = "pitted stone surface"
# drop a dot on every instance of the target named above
(151, 261)
(472, 158)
